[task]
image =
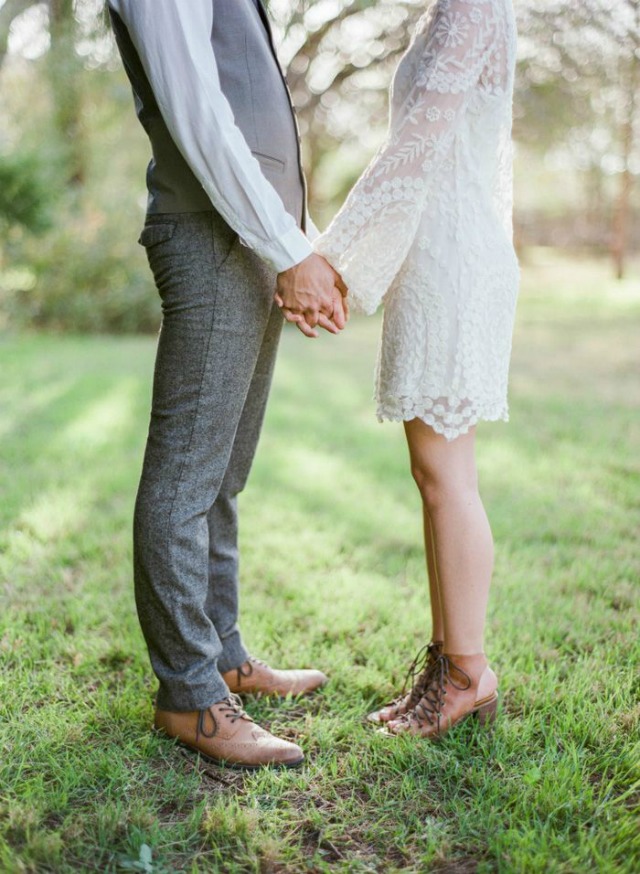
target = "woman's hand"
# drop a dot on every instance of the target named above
(311, 294)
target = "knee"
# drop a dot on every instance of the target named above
(439, 487)
(429, 485)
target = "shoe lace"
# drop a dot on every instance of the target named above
(416, 676)
(250, 662)
(231, 708)
(429, 707)
(418, 673)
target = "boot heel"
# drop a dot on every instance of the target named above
(486, 713)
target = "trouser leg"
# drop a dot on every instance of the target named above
(217, 304)
(222, 598)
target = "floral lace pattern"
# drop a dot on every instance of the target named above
(427, 229)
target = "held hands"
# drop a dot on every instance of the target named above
(311, 295)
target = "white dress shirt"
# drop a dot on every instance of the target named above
(172, 39)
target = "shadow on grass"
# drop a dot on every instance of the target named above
(333, 558)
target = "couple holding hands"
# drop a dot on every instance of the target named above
(426, 231)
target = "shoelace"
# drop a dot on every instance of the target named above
(430, 705)
(231, 708)
(415, 677)
(251, 661)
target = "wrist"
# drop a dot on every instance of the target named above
(290, 250)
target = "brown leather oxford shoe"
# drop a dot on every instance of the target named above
(255, 677)
(225, 735)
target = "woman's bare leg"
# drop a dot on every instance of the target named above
(437, 625)
(460, 564)
(461, 561)
(411, 696)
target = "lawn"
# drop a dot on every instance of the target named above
(333, 577)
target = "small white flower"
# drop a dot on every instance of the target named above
(449, 115)
(433, 113)
(452, 30)
(475, 15)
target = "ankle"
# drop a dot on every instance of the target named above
(472, 664)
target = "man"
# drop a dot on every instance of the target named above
(225, 223)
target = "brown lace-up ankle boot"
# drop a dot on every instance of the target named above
(413, 686)
(457, 686)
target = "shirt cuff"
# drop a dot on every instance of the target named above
(286, 251)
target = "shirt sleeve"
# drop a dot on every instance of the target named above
(370, 237)
(172, 39)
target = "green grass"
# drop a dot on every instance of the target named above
(332, 576)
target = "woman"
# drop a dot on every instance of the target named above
(427, 231)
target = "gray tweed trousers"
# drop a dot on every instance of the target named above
(215, 359)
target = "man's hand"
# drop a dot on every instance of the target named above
(310, 295)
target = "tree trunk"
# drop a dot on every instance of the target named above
(622, 210)
(65, 71)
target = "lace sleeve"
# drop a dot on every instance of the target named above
(369, 238)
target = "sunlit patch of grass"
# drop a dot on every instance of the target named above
(332, 575)
(101, 421)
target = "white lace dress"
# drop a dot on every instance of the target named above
(427, 229)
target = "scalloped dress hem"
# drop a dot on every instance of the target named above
(406, 413)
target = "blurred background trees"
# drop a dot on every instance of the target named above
(577, 111)
(72, 154)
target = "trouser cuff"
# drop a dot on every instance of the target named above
(185, 699)
(234, 653)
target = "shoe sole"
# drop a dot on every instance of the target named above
(223, 763)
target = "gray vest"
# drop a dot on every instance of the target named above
(253, 83)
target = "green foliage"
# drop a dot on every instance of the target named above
(69, 259)
(26, 194)
(333, 575)
(88, 277)
(85, 272)
(144, 862)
